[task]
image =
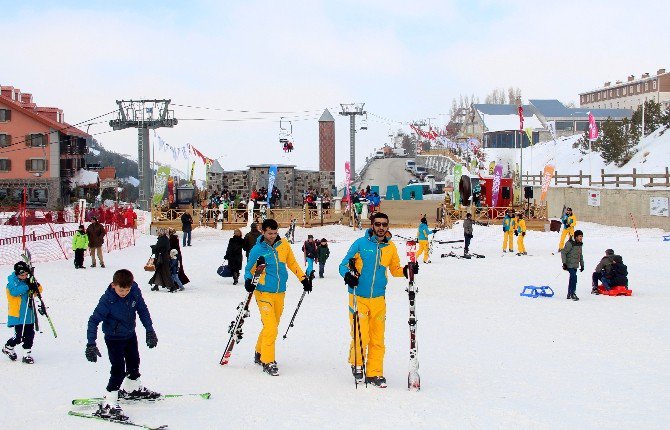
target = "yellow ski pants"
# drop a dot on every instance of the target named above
(423, 249)
(566, 231)
(508, 237)
(520, 244)
(271, 306)
(372, 320)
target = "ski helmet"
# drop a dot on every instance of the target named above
(21, 267)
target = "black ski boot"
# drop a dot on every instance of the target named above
(27, 358)
(357, 371)
(574, 297)
(594, 290)
(9, 352)
(257, 358)
(377, 381)
(110, 409)
(271, 368)
(133, 390)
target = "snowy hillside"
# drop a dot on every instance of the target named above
(489, 358)
(653, 156)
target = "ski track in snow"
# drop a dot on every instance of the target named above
(488, 357)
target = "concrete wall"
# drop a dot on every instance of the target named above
(407, 213)
(615, 208)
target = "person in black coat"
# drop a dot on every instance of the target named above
(186, 227)
(174, 244)
(162, 276)
(234, 254)
(251, 238)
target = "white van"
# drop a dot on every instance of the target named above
(410, 165)
(379, 154)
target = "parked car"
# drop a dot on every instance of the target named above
(410, 165)
(379, 154)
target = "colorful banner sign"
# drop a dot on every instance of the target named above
(495, 191)
(192, 171)
(593, 128)
(547, 175)
(272, 175)
(529, 133)
(492, 167)
(162, 175)
(170, 189)
(458, 171)
(520, 117)
(347, 178)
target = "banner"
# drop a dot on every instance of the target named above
(520, 118)
(162, 175)
(170, 189)
(547, 175)
(474, 166)
(593, 128)
(517, 184)
(495, 191)
(272, 174)
(492, 167)
(458, 171)
(192, 171)
(529, 133)
(347, 180)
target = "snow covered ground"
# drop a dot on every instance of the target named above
(489, 358)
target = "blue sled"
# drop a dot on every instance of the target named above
(666, 238)
(535, 292)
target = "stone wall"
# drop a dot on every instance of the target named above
(616, 206)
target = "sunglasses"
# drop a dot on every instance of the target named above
(381, 224)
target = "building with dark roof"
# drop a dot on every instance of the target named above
(630, 94)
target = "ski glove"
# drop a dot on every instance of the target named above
(523, 234)
(581, 269)
(434, 230)
(92, 353)
(249, 286)
(152, 339)
(350, 280)
(406, 269)
(516, 233)
(306, 284)
(33, 286)
(565, 266)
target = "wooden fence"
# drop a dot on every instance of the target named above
(616, 179)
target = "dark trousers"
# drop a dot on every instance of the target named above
(23, 333)
(572, 282)
(468, 238)
(595, 278)
(125, 358)
(321, 267)
(79, 257)
(186, 239)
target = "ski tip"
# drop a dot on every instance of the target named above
(206, 396)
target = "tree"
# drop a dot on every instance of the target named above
(408, 146)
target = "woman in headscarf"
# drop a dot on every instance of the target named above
(174, 244)
(234, 254)
(161, 249)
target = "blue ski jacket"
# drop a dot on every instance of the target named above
(424, 231)
(17, 301)
(118, 315)
(278, 258)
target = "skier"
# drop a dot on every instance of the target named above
(310, 251)
(251, 238)
(186, 228)
(271, 289)
(373, 253)
(422, 237)
(508, 231)
(324, 253)
(116, 310)
(21, 312)
(569, 222)
(234, 254)
(79, 245)
(602, 270)
(174, 269)
(572, 258)
(521, 233)
(96, 238)
(467, 233)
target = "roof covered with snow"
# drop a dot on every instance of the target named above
(555, 109)
(509, 122)
(84, 178)
(498, 109)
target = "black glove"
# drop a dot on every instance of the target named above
(33, 286)
(152, 339)
(523, 233)
(249, 286)
(41, 309)
(351, 280)
(92, 353)
(306, 284)
(516, 233)
(565, 266)
(406, 268)
(434, 230)
(581, 269)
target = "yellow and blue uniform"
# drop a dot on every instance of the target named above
(372, 259)
(509, 225)
(422, 237)
(569, 223)
(17, 301)
(521, 230)
(271, 289)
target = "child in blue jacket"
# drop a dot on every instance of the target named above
(21, 312)
(174, 268)
(116, 310)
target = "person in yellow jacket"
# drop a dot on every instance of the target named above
(509, 226)
(271, 289)
(372, 255)
(520, 232)
(569, 221)
(422, 237)
(79, 246)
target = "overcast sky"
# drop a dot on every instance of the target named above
(405, 60)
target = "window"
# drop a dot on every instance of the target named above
(36, 165)
(5, 165)
(646, 86)
(623, 91)
(5, 140)
(35, 140)
(653, 85)
(618, 92)
(5, 115)
(630, 90)
(637, 89)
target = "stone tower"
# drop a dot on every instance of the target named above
(326, 142)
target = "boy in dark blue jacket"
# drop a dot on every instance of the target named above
(116, 310)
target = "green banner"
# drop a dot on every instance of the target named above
(458, 171)
(160, 184)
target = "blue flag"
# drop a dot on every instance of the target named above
(272, 174)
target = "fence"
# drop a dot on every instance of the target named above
(617, 179)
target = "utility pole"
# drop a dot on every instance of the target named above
(143, 115)
(351, 110)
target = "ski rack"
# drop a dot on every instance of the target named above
(534, 292)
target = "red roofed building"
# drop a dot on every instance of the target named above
(38, 150)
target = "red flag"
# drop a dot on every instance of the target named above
(520, 117)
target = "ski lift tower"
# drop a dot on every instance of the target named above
(351, 110)
(143, 115)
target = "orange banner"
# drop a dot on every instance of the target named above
(546, 180)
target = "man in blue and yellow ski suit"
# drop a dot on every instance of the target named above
(373, 254)
(569, 222)
(422, 237)
(271, 289)
(509, 226)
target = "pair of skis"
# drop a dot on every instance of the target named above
(413, 380)
(465, 256)
(42, 308)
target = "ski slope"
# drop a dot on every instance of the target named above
(488, 357)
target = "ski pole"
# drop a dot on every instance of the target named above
(357, 325)
(295, 313)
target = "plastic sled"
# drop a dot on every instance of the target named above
(666, 238)
(619, 290)
(534, 292)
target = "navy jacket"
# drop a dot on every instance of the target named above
(118, 315)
